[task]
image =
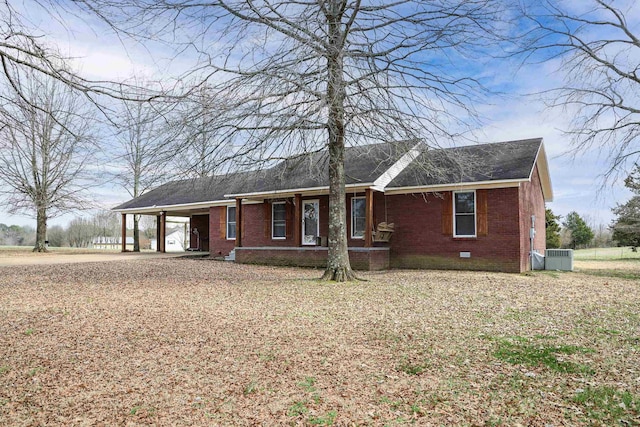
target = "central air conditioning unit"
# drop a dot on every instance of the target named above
(558, 259)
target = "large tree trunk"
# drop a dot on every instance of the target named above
(338, 265)
(41, 230)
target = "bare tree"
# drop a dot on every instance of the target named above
(303, 76)
(44, 151)
(199, 142)
(144, 152)
(25, 47)
(81, 232)
(148, 226)
(598, 42)
(106, 223)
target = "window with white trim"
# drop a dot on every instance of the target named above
(358, 217)
(278, 220)
(464, 214)
(231, 222)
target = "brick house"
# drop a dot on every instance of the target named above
(469, 207)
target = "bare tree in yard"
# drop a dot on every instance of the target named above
(144, 153)
(303, 76)
(199, 142)
(45, 145)
(598, 42)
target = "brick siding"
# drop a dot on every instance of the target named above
(418, 240)
(314, 256)
(531, 203)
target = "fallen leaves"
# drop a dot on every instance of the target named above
(201, 342)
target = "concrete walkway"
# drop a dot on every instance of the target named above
(29, 258)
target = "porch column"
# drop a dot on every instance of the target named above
(124, 232)
(368, 218)
(158, 233)
(238, 222)
(297, 220)
(163, 231)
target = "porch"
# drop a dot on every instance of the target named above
(361, 258)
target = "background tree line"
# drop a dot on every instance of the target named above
(624, 230)
(79, 233)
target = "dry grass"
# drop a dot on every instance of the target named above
(27, 251)
(199, 342)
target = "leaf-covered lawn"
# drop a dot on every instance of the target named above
(201, 342)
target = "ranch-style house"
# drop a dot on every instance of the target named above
(408, 206)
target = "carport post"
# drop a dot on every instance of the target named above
(124, 232)
(238, 222)
(297, 220)
(368, 215)
(163, 230)
(158, 233)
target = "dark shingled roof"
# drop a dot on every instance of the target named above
(511, 160)
(363, 164)
(189, 191)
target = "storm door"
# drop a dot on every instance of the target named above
(310, 222)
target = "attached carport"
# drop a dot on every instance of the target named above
(162, 213)
(191, 198)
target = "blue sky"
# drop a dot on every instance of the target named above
(577, 181)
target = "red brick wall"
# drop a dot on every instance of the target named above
(201, 222)
(531, 203)
(419, 242)
(218, 246)
(378, 217)
(310, 256)
(257, 228)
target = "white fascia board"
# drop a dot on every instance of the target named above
(169, 208)
(395, 169)
(454, 187)
(543, 172)
(293, 191)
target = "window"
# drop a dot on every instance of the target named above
(358, 217)
(278, 220)
(464, 214)
(231, 222)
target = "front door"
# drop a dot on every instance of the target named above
(310, 222)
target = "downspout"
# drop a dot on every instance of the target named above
(532, 235)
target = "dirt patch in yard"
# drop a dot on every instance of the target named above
(200, 342)
(24, 257)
